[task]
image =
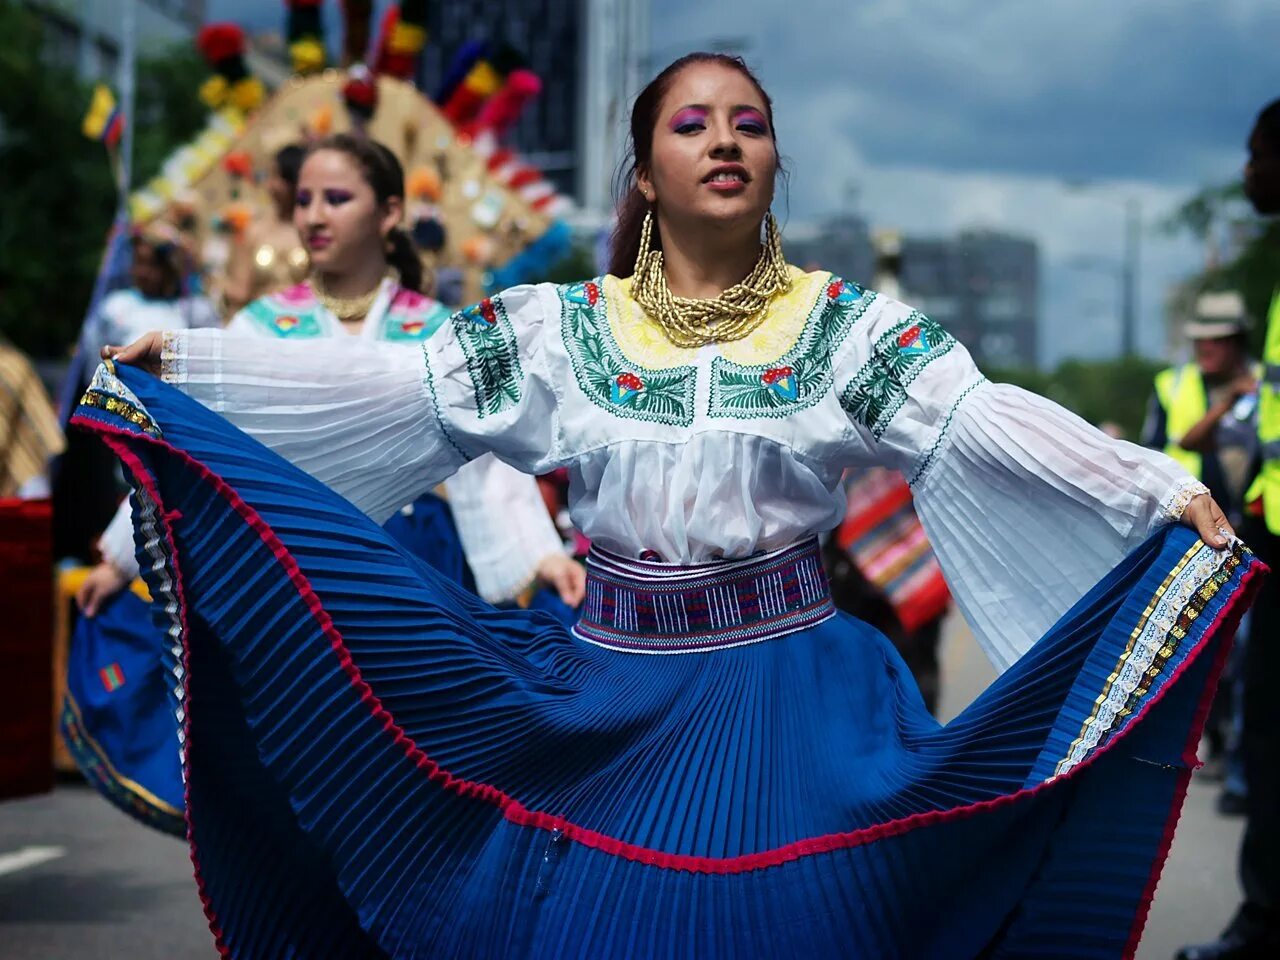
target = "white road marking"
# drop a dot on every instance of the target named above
(28, 857)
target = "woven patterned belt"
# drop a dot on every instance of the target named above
(648, 607)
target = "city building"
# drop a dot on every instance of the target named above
(88, 34)
(983, 286)
(841, 244)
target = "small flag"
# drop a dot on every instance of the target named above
(112, 677)
(103, 121)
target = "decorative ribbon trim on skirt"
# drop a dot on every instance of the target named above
(645, 607)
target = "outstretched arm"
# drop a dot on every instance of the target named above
(1026, 505)
(378, 423)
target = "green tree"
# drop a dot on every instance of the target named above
(60, 193)
(1219, 217)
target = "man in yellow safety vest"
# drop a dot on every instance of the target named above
(1254, 933)
(1203, 413)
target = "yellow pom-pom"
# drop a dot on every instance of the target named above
(483, 79)
(247, 95)
(407, 38)
(214, 91)
(307, 55)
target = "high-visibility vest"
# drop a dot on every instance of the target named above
(1181, 392)
(1266, 487)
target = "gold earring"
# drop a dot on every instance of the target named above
(772, 244)
(645, 254)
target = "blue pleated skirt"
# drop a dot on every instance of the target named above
(381, 765)
(118, 716)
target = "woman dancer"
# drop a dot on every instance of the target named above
(493, 535)
(380, 766)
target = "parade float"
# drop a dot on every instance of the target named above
(476, 211)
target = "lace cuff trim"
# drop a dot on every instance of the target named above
(1175, 503)
(173, 357)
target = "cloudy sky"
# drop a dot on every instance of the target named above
(1039, 118)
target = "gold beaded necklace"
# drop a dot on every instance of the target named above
(696, 322)
(348, 308)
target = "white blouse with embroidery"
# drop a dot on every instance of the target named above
(721, 451)
(503, 522)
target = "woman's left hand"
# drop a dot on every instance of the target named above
(564, 575)
(1205, 517)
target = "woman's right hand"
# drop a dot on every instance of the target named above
(143, 352)
(102, 583)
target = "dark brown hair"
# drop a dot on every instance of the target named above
(382, 171)
(631, 205)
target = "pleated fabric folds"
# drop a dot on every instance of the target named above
(379, 764)
(118, 716)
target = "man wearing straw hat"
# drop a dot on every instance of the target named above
(1204, 412)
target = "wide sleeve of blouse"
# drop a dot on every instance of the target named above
(504, 525)
(370, 419)
(1027, 506)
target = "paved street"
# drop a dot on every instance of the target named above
(121, 890)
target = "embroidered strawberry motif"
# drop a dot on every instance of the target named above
(842, 292)
(774, 374)
(781, 381)
(625, 388)
(483, 313)
(587, 293)
(913, 340)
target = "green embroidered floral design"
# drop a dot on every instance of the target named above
(493, 356)
(878, 391)
(605, 374)
(280, 321)
(800, 377)
(413, 326)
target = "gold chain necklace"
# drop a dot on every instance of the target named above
(347, 308)
(695, 322)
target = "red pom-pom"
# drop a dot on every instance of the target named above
(238, 163)
(220, 41)
(502, 110)
(462, 105)
(360, 93)
(524, 177)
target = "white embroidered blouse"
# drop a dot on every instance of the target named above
(721, 451)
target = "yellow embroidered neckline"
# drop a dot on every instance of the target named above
(643, 342)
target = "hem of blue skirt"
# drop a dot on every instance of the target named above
(120, 791)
